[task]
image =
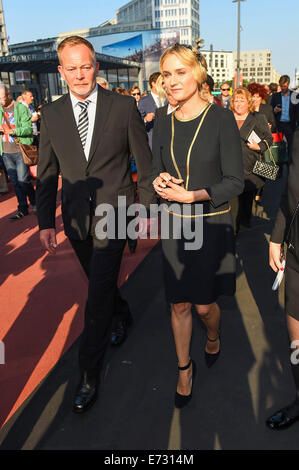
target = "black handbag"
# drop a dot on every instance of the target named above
(292, 236)
(268, 170)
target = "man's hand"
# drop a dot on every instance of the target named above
(48, 239)
(275, 257)
(149, 117)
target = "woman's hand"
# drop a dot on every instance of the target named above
(174, 192)
(160, 183)
(275, 257)
(254, 146)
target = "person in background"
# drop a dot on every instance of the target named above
(135, 92)
(15, 120)
(273, 88)
(259, 98)
(102, 82)
(27, 100)
(225, 96)
(286, 416)
(169, 107)
(247, 120)
(148, 106)
(285, 107)
(206, 92)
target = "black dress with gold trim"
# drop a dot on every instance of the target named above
(206, 153)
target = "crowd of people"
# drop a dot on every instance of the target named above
(179, 145)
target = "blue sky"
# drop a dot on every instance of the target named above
(266, 24)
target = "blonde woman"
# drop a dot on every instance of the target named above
(197, 164)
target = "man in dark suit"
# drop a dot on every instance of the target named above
(83, 138)
(148, 105)
(285, 107)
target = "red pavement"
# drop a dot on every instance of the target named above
(42, 300)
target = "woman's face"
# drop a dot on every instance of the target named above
(136, 94)
(241, 105)
(178, 78)
(257, 99)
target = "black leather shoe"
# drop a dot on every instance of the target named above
(86, 393)
(182, 400)
(19, 215)
(119, 331)
(284, 418)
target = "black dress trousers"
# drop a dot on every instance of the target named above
(104, 303)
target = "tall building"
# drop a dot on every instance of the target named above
(256, 66)
(3, 36)
(220, 65)
(160, 14)
(144, 15)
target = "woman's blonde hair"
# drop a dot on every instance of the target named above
(189, 58)
(245, 93)
(160, 88)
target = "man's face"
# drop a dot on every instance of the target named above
(225, 90)
(5, 98)
(78, 70)
(284, 87)
(28, 98)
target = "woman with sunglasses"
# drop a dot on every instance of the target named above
(135, 92)
(197, 169)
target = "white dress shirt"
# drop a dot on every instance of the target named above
(159, 103)
(91, 110)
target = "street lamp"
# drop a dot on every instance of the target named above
(238, 48)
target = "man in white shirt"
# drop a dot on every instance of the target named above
(148, 105)
(83, 138)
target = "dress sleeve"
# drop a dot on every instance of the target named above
(265, 132)
(290, 196)
(157, 166)
(231, 161)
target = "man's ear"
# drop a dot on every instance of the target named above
(60, 70)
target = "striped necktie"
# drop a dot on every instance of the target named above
(83, 121)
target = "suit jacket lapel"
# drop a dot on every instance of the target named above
(104, 103)
(69, 122)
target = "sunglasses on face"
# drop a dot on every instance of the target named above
(136, 94)
(225, 89)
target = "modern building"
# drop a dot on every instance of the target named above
(33, 66)
(142, 29)
(256, 66)
(220, 65)
(3, 35)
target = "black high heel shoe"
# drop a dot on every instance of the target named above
(212, 358)
(182, 400)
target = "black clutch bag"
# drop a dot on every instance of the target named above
(292, 237)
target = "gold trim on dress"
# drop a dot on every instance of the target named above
(191, 145)
(190, 119)
(198, 215)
